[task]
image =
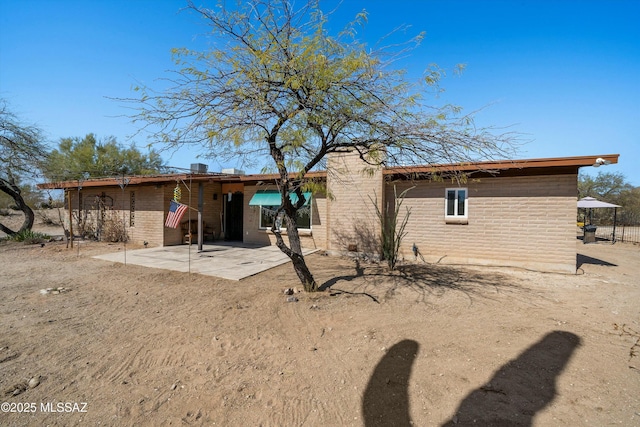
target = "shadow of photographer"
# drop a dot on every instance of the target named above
(520, 388)
(386, 398)
(512, 397)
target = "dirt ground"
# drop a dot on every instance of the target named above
(429, 345)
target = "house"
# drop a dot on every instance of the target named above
(506, 213)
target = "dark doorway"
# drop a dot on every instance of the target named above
(233, 216)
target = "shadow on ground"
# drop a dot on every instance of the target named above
(512, 397)
(386, 399)
(423, 279)
(520, 388)
(584, 259)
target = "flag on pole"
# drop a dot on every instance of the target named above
(176, 211)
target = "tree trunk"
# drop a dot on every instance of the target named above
(295, 254)
(12, 190)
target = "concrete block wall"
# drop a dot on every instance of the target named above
(315, 239)
(512, 221)
(212, 207)
(352, 185)
(148, 212)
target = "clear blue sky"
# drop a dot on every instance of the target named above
(566, 74)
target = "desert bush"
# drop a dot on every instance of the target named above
(113, 229)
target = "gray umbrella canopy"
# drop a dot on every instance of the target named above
(590, 202)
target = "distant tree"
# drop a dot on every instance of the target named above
(22, 154)
(606, 186)
(630, 202)
(276, 84)
(611, 187)
(76, 157)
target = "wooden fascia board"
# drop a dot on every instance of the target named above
(549, 163)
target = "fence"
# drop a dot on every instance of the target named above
(624, 233)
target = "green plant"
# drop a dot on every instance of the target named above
(29, 237)
(391, 231)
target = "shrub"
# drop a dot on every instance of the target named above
(392, 231)
(113, 229)
(43, 214)
(29, 237)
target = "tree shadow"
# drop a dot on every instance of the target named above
(521, 388)
(359, 273)
(361, 239)
(386, 399)
(422, 279)
(584, 259)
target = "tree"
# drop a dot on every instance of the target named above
(276, 84)
(76, 157)
(606, 186)
(611, 187)
(22, 154)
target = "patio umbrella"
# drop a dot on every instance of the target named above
(591, 203)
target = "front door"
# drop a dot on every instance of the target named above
(233, 216)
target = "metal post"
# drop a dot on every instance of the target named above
(200, 209)
(615, 217)
(70, 218)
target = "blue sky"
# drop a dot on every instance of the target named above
(565, 74)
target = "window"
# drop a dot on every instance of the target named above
(269, 202)
(268, 216)
(456, 205)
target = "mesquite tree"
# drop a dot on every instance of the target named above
(276, 84)
(22, 154)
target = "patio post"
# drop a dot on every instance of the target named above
(200, 209)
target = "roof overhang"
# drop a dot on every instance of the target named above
(527, 167)
(554, 165)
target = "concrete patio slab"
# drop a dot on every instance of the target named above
(228, 261)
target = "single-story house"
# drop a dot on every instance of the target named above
(507, 213)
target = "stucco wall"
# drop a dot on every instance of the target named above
(521, 221)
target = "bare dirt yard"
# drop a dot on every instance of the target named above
(429, 345)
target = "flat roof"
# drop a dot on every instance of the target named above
(554, 165)
(502, 165)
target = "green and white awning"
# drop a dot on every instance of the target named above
(272, 198)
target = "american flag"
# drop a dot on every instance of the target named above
(176, 211)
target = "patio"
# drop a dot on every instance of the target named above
(233, 261)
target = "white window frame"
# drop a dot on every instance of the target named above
(283, 229)
(456, 218)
